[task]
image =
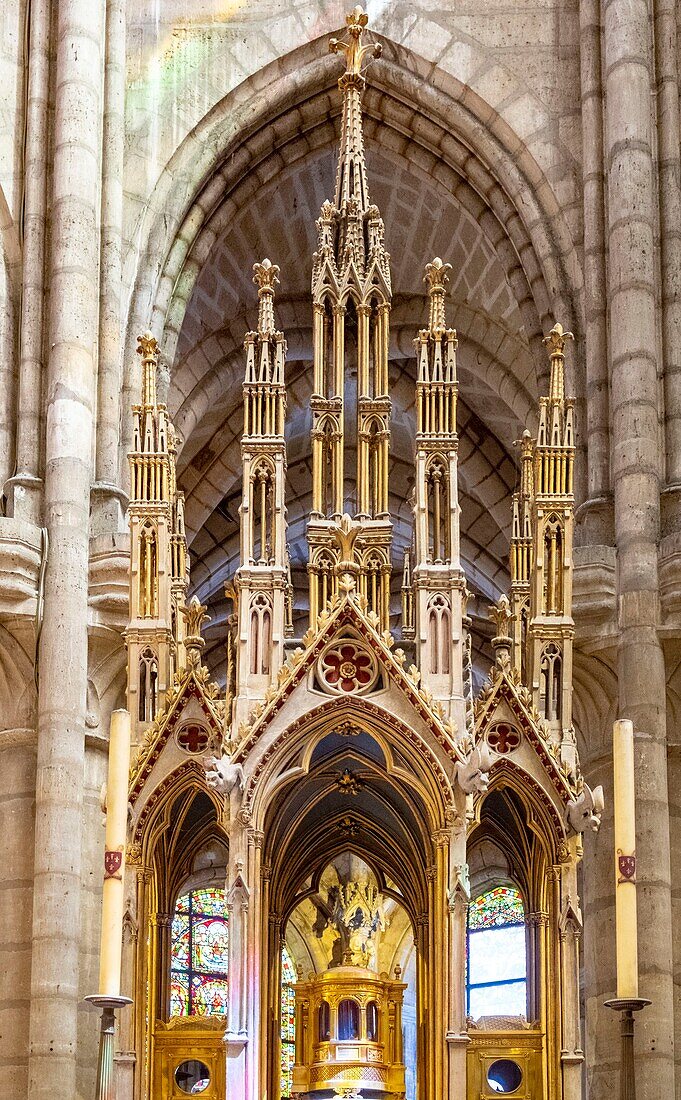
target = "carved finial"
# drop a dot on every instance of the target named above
(194, 615)
(346, 583)
(147, 347)
(345, 533)
(500, 613)
(354, 51)
(437, 277)
(555, 342)
(266, 277)
(352, 188)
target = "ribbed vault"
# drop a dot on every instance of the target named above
(348, 801)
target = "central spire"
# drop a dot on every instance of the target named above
(350, 401)
(351, 177)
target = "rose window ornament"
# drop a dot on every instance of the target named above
(193, 738)
(347, 668)
(503, 738)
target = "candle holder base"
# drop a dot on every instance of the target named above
(627, 1006)
(105, 1061)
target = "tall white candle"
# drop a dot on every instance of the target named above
(625, 860)
(114, 855)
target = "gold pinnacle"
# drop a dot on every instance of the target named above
(557, 339)
(437, 277)
(266, 277)
(147, 345)
(354, 51)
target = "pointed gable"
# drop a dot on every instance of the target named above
(506, 719)
(346, 619)
(193, 717)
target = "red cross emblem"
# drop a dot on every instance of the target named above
(627, 868)
(113, 862)
(503, 738)
(193, 739)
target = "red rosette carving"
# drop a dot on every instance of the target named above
(347, 668)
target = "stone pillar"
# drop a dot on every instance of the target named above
(63, 651)
(23, 490)
(595, 514)
(669, 173)
(632, 189)
(17, 785)
(108, 499)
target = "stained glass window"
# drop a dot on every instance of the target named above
(198, 954)
(288, 1022)
(497, 964)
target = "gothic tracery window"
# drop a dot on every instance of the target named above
(262, 513)
(147, 691)
(553, 567)
(288, 1022)
(438, 635)
(497, 964)
(198, 954)
(438, 511)
(551, 681)
(261, 635)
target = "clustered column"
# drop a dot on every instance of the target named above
(64, 643)
(636, 469)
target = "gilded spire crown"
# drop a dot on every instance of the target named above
(354, 51)
(147, 347)
(351, 180)
(266, 277)
(437, 277)
(555, 342)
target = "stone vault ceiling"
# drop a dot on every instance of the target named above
(497, 374)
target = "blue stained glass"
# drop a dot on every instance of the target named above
(496, 982)
(199, 955)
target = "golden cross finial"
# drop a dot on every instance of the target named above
(354, 51)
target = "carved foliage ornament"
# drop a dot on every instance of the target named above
(347, 668)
